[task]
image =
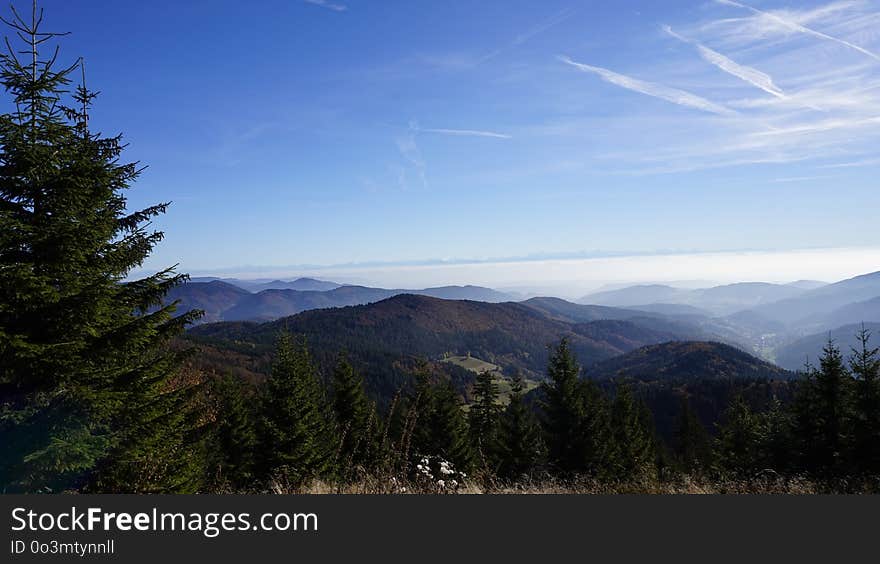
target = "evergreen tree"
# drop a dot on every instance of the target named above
(449, 434)
(824, 414)
(89, 393)
(776, 440)
(595, 444)
(563, 410)
(738, 443)
(236, 434)
(577, 418)
(865, 366)
(692, 443)
(634, 440)
(417, 434)
(355, 418)
(484, 419)
(296, 427)
(521, 448)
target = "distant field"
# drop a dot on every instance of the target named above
(472, 364)
(481, 366)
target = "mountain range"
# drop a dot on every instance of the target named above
(512, 335)
(777, 322)
(224, 301)
(389, 340)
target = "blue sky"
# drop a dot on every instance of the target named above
(295, 132)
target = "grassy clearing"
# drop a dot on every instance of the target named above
(473, 364)
(478, 366)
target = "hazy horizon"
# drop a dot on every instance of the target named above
(574, 276)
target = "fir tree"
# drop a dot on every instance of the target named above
(865, 366)
(235, 431)
(738, 443)
(824, 414)
(776, 440)
(692, 443)
(88, 392)
(563, 410)
(483, 420)
(634, 440)
(521, 448)
(355, 418)
(296, 429)
(595, 444)
(450, 437)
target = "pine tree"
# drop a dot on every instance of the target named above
(355, 417)
(777, 443)
(521, 447)
(296, 428)
(824, 414)
(595, 444)
(417, 435)
(88, 390)
(692, 443)
(450, 437)
(484, 419)
(634, 440)
(865, 366)
(563, 410)
(738, 443)
(235, 430)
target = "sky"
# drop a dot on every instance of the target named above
(498, 142)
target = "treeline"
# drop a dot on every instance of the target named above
(289, 431)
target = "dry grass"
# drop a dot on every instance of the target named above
(685, 485)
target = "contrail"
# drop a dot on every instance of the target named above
(748, 74)
(673, 95)
(794, 26)
(466, 132)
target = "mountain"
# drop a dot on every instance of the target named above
(734, 297)
(557, 308)
(687, 361)
(794, 355)
(224, 301)
(708, 374)
(823, 300)
(474, 293)
(214, 297)
(634, 295)
(273, 304)
(382, 337)
(866, 311)
(300, 284)
(807, 284)
(676, 310)
(718, 300)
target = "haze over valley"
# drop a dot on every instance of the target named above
(787, 324)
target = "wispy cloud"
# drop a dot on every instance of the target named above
(674, 95)
(802, 72)
(792, 25)
(748, 74)
(327, 5)
(464, 132)
(538, 29)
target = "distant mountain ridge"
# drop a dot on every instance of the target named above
(719, 300)
(679, 361)
(795, 355)
(824, 300)
(223, 301)
(512, 335)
